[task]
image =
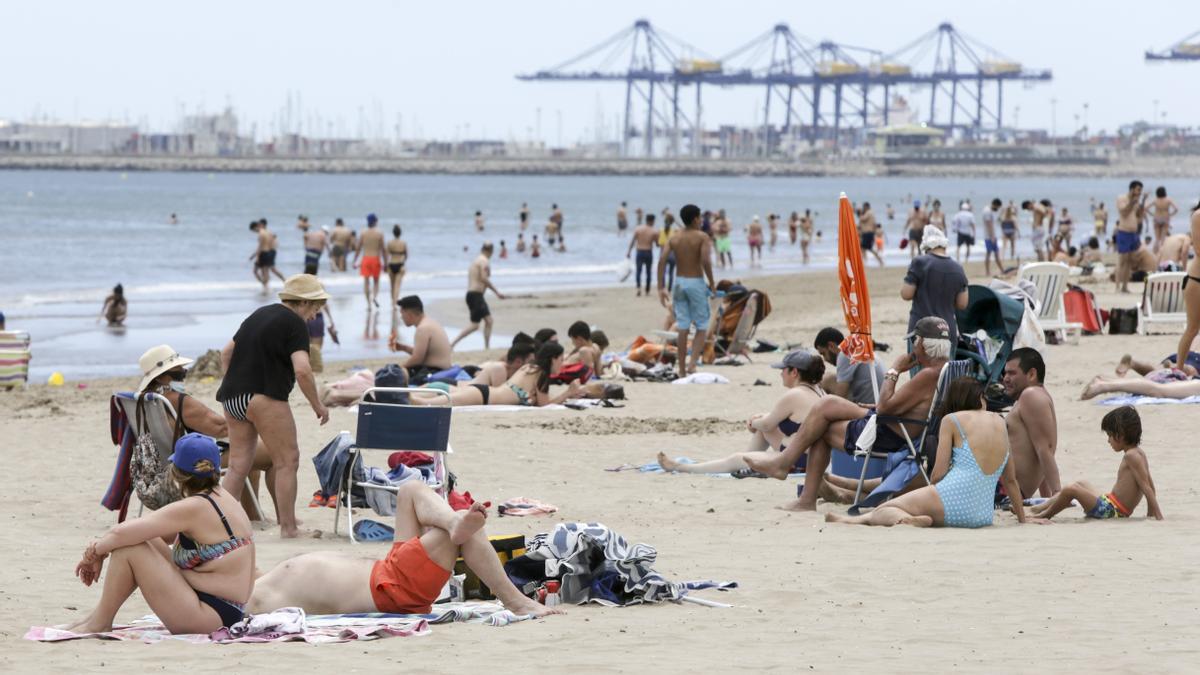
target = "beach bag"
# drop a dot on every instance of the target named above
(147, 468)
(1080, 307)
(573, 371)
(1122, 321)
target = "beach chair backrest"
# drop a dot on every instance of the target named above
(1163, 294)
(394, 426)
(1050, 278)
(14, 358)
(745, 326)
(158, 417)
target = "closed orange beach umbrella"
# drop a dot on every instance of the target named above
(856, 300)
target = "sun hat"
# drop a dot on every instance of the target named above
(932, 238)
(798, 359)
(930, 328)
(192, 448)
(303, 287)
(158, 360)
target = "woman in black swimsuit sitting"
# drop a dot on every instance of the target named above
(801, 372)
(193, 587)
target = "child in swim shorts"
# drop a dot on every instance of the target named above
(1124, 429)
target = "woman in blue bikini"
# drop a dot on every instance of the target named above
(972, 455)
(194, 586)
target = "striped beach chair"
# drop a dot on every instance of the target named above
(14, 358)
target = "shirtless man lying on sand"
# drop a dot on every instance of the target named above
(496, 373)
(1032, 425)
(835, 422)
(429, 539)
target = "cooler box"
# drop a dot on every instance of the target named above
(507, 547)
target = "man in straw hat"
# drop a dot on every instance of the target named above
(262, 363)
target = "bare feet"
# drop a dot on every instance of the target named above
(771, 466)
(1091, 390)
(297, 533)
(525, 606)
(1125, 364)
(797, 505)
(916, 521)
(833, 493)
(468, 524)
(84, 626)
(836, 518)
(667, 463)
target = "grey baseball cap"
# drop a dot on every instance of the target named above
(930, 328)
(798, 359)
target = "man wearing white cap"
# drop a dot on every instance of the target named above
(262, 363)
(935, 283)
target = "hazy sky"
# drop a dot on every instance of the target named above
(446, 65)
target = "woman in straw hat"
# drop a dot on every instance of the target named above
(163, 373)
(265, 359)
(204, 581)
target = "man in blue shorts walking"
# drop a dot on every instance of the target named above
(693, 258)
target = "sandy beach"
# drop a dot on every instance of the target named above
(1097, 596)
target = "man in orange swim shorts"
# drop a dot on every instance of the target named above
(374, 256)
(430, 537)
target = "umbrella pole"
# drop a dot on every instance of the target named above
(862, 477)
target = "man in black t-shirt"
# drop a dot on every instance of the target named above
(262, 363)
(936, 284)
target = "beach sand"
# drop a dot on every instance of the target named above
(1075, 595)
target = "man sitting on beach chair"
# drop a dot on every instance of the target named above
(835, 422)
(429, 539)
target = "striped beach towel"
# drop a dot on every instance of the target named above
(14, 358)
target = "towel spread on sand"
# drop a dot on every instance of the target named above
(506, 408)
(283, 621)
(1134, 399)
(702, 378)
(319, 628)
(654, 467)
(524, 506)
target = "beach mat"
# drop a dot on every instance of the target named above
(1133, 399)
(654, 467)
(320, 629)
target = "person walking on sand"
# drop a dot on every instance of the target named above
(374, 255)
(644, 238)
(265, 359)
(964, 228)
(1131, 209)
(866, 231)
(396, 254)
(1161, 210)
(316, 240)
(693, 260)
(479, 281)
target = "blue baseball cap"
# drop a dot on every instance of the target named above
(371, 218)
(192, 448)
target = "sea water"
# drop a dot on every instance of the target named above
(67, 237)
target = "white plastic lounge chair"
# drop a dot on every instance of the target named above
(159, 419)
(916, 449)
(1051, 281)
(392, 427)
(1162, 301)
(14, 358)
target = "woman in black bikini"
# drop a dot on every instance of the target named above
(1191, 299)
(397, 255)
(193, 587)
(529, 386)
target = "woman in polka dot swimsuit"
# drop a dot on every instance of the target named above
(972, 455)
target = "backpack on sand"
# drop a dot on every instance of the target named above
(148, 470)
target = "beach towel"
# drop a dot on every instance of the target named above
(505, 408)
(524, 506)
(120, 487)
(654, 467)
(319, 628)
(594, 564)
(1134, 399)
(702, 378)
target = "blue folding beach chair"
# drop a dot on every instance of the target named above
(902, 466)
(387, 426)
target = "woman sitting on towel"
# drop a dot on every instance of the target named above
(200, 584)
(801, 372)
(973, 453)
(163, 372)
(529, 386)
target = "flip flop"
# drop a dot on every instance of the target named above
(318, 500)
(372, 530)
(747, 473)
(332, 502)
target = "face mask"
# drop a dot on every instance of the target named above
(177, 387)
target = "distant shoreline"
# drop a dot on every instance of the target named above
(1186, 166)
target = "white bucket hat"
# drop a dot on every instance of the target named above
(158, 360)
(932, 238)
